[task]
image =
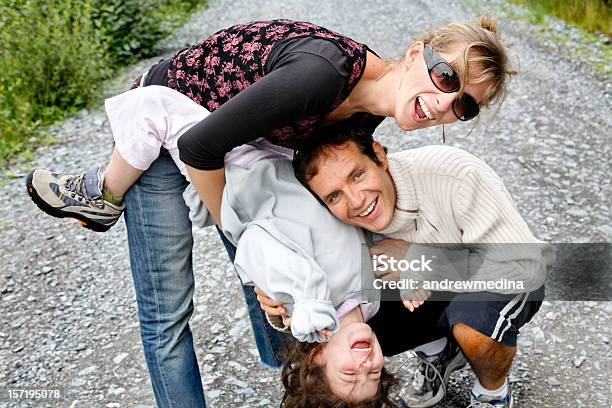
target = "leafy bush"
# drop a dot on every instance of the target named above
(54, 54)
(51, 58)
(133, 28)
(130, 30)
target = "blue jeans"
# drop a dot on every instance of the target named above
(160, 243)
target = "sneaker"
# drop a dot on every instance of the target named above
(77, 197)
(485, 401)
(428, 385)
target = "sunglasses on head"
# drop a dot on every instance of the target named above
(446, 80)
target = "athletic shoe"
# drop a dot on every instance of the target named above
(77, 197)
(429, 380)
(485, 401)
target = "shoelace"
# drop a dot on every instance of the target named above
(76, 186)
(73, 183)
(434, 370)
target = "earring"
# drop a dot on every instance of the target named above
(443, 135)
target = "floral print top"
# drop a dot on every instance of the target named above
(221, 66)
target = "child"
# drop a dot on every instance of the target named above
(143, 121)
(306, 258)
(296, 252)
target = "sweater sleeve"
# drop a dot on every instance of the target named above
(503, 246)
(287, 272)
(497, 243)
(301, 85)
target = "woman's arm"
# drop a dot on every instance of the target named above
(209, 185)
(302, 85)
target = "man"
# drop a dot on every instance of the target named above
(440, 195)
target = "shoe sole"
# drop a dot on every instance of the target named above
(54, 212)
(455, 364)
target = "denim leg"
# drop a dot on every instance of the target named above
(268, 340)
(160, 243)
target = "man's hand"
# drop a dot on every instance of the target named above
(416, 298)
(393, 249)
(272, 307)
(326, 334)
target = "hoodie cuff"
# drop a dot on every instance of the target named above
(311, 316)
(277, 323)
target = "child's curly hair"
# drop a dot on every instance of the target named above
(306, 386)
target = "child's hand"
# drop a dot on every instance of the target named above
(326, 334)
(416, 298)
(272, 307)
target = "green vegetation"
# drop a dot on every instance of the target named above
(132, 29)
(55, 53)
(592, 15)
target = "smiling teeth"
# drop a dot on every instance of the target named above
(424, 107)
(369, 210)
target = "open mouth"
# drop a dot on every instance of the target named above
(370, 208)
(422, 111)
(362, 345)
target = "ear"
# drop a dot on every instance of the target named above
(415, 49)
(381, 154)
(318, 358)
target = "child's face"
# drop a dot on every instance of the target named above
(352, 361)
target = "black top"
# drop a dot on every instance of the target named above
(276, 79)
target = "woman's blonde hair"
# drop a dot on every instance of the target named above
(484, 57)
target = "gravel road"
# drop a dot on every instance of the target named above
(68, 316)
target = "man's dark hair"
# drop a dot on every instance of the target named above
(305, 158)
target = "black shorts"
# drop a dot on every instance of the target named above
(497, 316)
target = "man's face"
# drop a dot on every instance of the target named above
(354, 188)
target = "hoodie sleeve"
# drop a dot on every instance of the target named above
(285, 270)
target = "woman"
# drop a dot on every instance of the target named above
(279, 80)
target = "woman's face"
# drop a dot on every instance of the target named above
(352, 362)
(419, 103)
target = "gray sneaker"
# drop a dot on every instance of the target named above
(485, 401)
(429, 380)
(78, 197)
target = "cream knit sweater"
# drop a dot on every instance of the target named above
(447, 196)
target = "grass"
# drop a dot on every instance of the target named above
(591, 15)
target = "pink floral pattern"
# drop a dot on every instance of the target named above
(224, 64)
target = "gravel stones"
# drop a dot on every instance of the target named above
(69, 316)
